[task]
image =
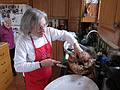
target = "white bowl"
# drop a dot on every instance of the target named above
(72, 82)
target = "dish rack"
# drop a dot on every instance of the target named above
(100, 44)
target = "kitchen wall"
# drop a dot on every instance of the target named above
(14, 11)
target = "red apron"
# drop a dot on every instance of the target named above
(38, 79)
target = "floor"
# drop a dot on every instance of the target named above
(19, 84)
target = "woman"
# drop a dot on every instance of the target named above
(34, 48)
(6, 35)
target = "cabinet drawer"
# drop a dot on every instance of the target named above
(5, 74)
(5, 83)
(2, 87)
(5, 62)
(5, 70)
(4, 51)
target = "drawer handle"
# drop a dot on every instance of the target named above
(3, 63)
(5, 71)
(2, 54)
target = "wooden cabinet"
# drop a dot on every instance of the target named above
(89, 12)
(74, 8)
(57, 54)
(58, 51)
(29, 2)
(54, 50)
(73, 25)
(54, 8)
(74, 15)
(6, 75)
(62, 9)
(43, 5)
(59, 9)
(6, 1)
(109, 21)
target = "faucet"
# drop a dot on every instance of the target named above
(86, 38)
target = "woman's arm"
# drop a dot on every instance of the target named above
(61, 35)
(21, 62)
(66, 36)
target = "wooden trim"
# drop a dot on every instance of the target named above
(88, 19)
(107, 27)
(109, 43)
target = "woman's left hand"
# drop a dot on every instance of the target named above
(80, 53)
(83, 55)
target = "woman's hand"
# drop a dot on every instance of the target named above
(72, 58)
(80, 53)
(83, 55)
(49, 62)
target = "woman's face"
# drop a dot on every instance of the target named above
(42, 27)
(7, 22)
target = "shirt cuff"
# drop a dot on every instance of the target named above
(78, 46)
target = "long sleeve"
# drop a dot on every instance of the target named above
(22, 62)
(25, 55)
(62, 35)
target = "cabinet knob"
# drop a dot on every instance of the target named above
(116, 25)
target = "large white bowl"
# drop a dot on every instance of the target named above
(72, 82)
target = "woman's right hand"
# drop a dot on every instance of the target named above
(49, 62)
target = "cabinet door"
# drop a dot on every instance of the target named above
(118, 21)
(29, 2)
(43, 5)
(59, 9)
(107, 13)
(107, 20)
(21, 1)
(54, 50)
(75, 8)
(57, 50)
(73, 25)
(74, 15)
(118, 12)
(60, 50)
(6, 1)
